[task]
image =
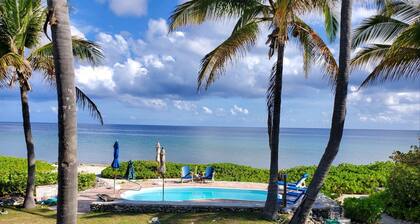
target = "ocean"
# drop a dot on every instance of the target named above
(247, 146)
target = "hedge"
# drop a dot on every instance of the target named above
(13, 175)
(343, 179)
(365, 210)
(403, 187)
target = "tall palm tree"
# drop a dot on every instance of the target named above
(391, 41)
(338, 118)
(20, 29)
(283, 17)
(67, 114)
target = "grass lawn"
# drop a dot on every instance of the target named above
(45, 216)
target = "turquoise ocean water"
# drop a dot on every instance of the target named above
(248, 146)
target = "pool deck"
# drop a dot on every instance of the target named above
(86, 198)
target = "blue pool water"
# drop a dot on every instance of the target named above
(195, 193)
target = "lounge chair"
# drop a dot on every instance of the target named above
(186, 174)
(293, 195)
(299, 184)
(209, 174)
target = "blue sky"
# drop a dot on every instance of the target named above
(149, 77)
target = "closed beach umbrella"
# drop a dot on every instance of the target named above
(158, 148)
(162, 170)
(115, 163)
(130, 173)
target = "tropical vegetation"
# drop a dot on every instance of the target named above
(390, 41)
(13, 175)
(21, 24)
(342, 179)
(284, 19)
(403, 188)
(365, 209)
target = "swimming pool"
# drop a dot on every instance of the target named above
(195, 193)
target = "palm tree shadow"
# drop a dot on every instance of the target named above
(43, 212)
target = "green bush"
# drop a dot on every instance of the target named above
(344, 178)
(364, 210)
(13, 176)
(86, 181)
(404, 186)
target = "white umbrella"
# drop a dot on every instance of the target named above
(158, 148)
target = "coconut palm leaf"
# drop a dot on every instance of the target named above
(197, 11)
(10, 63)
(41, 59)
(376, 29)
(85, 102)
(404, 64)
(314, 48)
(215, 62)
(83, 50)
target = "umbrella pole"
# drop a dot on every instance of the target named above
(163, 188)
(114, 182)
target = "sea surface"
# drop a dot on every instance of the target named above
(248, 146)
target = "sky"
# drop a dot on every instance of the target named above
(149, 76)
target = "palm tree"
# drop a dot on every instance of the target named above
(339, 115)
(391, 41)
(285, 22)
(20, 29)
(67, 114)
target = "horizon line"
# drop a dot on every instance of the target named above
(215, 126)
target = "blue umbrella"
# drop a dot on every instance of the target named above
(115, 164)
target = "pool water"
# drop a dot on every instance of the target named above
(195, 193)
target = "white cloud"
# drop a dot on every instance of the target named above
(154, 61)
(95, 78)
(238, 110)
(151, 103)
(128, 72)
(128, 7)
(207, 110)
(184, 105)
(157, 28)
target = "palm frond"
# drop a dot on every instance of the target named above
(258, 13)
(84, 50)
(403, 10)
(85, 102)
(404, 64)
(377, 28)
(9, 63)
(314, 48)
(370, 55)
(214, 63)
(197, 11)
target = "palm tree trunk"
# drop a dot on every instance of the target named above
(67, 120)
(29, 201)
(271, 204)
(339, 115)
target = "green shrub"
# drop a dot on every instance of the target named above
(404, 186)
(344, 178)
(86, 181)
(364, 210)
(13, 176)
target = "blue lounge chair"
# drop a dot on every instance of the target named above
(209, 174)
(293, 196)
(186, 174)
(300, 183)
